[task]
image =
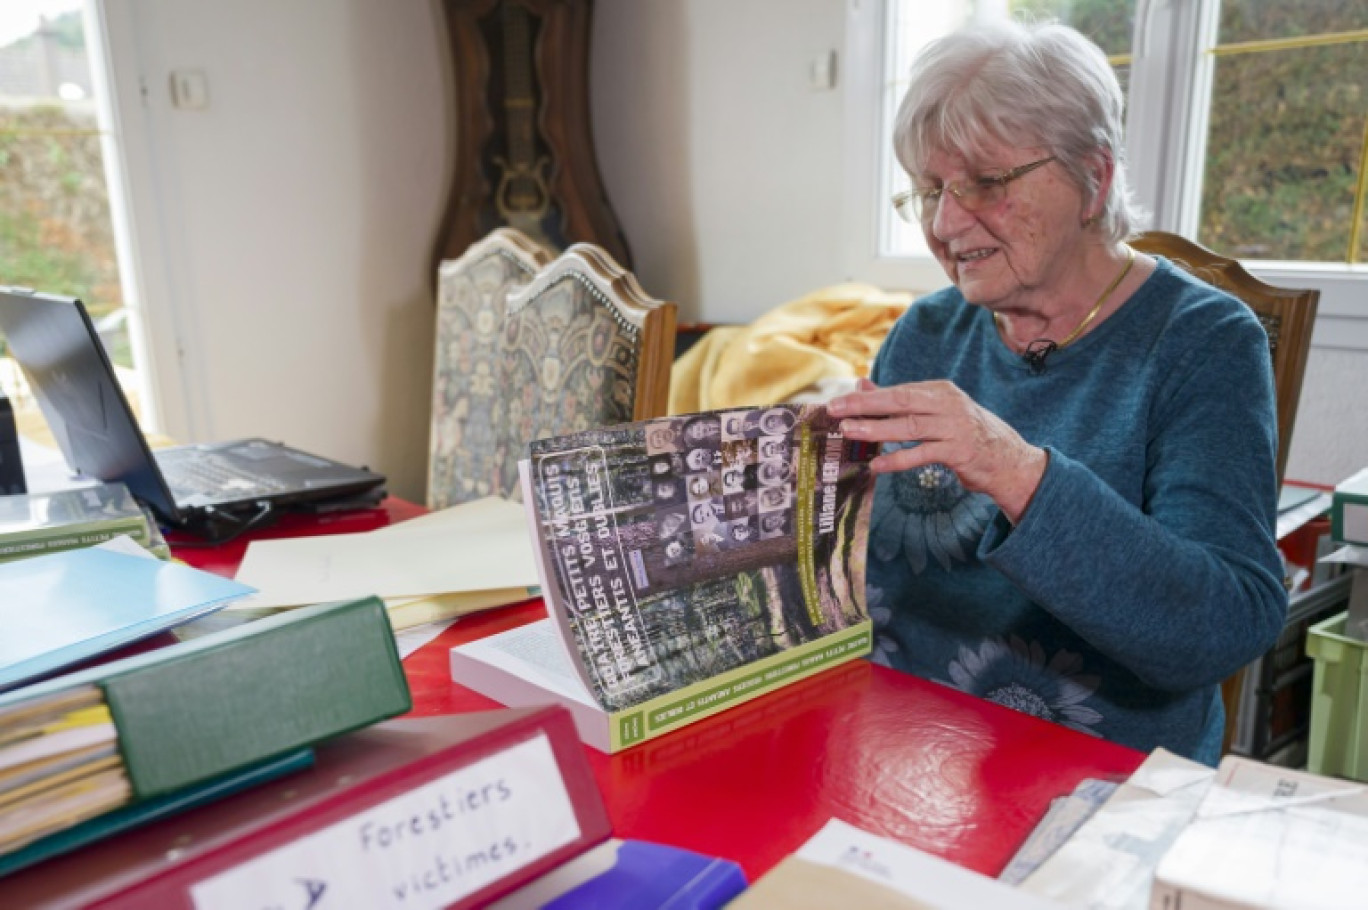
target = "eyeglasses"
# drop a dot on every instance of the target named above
(917, 205)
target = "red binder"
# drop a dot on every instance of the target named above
(438, 811)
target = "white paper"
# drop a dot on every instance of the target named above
(427, 848)
(410, 640)
(1065, 816)
(1270, 837)
(57, 743)
(490, 512)
(1349, 555)
(125, 545)
(494, 551)
(1110, 860)
(928, 879)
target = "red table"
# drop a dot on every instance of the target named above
(887, 752)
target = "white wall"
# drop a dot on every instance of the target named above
(1330, 438)
(291, 222)
(720, 160)
(286, 230)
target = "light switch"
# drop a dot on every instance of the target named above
(189, 90)
(822, 72)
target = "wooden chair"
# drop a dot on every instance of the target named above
(1287, 316)
(583, 346)
(467, 392)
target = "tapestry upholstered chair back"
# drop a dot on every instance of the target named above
(583, 346)
(467, 391)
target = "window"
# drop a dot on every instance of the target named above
(1283, 173)
(57, 224)
(1248, 121)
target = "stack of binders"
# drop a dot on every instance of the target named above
(210, 774)
(428, 812)
(101, 751)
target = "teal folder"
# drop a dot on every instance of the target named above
(150, 810)
(62, 608)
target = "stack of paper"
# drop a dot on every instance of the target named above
(1109, 861)
(1246, 835)
(1270, 837)
(59, 765)
(447, 563)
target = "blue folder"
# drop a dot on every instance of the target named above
(650, 876)
(62, 608)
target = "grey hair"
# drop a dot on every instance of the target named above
(1042, 85)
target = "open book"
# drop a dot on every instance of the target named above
(688, 564)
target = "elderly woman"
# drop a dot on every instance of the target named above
(1075, 517)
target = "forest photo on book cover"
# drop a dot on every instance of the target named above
(684, 547)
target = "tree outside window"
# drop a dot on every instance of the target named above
(1284, 164)
(55, 225)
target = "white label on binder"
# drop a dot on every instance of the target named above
(427, 848)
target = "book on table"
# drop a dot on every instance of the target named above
(36, 523)
(149, 726)
(688, 564)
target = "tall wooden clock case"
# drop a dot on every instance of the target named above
(524, 149)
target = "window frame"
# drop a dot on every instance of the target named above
(170, 406)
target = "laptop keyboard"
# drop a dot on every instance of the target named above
(213, 477)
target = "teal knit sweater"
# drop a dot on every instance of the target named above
(1144, 571)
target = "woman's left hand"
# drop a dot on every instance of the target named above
(952, 429)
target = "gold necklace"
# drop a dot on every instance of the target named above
(1092, 314)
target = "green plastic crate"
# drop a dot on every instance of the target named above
(1339, 700)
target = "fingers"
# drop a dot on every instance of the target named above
(899, 428)
(907, 459)
(909, 398)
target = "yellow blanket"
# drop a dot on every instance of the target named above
(832, 333)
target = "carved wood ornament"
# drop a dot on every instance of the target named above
(524, 149)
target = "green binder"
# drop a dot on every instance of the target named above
(196, 710)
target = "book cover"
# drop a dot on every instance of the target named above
(192, 711)
(415, 813)
(688, 564)
(61, 608)
(64, 520)
(629, 875)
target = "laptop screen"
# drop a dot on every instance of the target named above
(54, 341)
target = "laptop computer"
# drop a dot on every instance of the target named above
(215, 490)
